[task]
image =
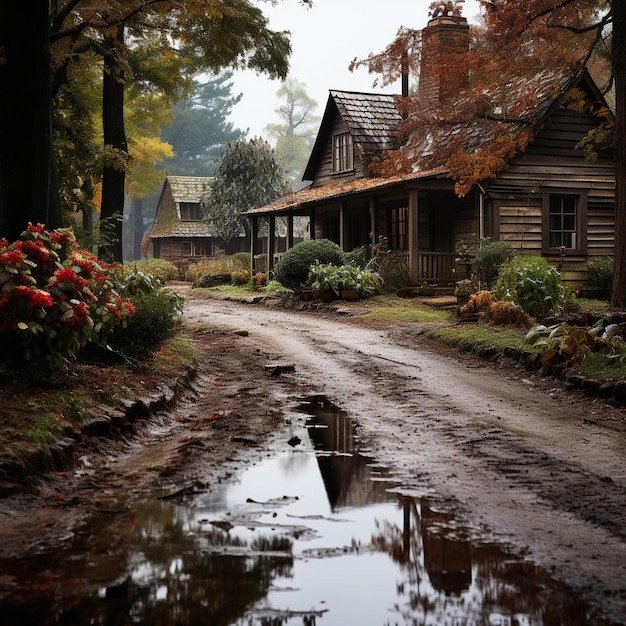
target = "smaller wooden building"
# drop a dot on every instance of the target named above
(179, 234)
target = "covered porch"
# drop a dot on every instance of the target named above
(420, 222)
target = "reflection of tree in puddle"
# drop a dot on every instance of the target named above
(449, 580)
(173, 574)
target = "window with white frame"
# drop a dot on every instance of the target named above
(343, 156)
(564, 221)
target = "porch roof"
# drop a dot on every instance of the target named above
(302, 201)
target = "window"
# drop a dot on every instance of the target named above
(398, 218)
(343, 160)
(190, 212)
(195, 248)
(563, 229)
(564, 222)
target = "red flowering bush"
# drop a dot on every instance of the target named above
(54, 298)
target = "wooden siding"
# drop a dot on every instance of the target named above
(324, 173)
(551, 163)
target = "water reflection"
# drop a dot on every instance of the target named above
(318, 535)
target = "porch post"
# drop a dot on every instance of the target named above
(289, 242)
(271, 242)
(413, 240)
(373, 233)
(342, 230)
(312, 224)
(254, 243)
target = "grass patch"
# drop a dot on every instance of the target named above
(36, 410)
(387, 308)
(597, 364)
(481, 339)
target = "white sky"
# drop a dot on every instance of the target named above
(324, 41)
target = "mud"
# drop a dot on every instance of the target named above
(515, 456)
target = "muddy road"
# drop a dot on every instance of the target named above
(518, 455)
(514, 456)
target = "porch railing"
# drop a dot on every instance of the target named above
(439, 266)
(431, 266)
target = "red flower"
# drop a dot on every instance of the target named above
(37, 297)
(11, 257)
(67, 275)
(35, 249)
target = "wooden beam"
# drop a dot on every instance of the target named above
(342, 230)
(413, 240)
(254, 243)
(271, 242)
(373, 233)
(289, 231)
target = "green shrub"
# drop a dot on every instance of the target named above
(159, 268)
(337, 279)
(532, 283)
(358, 257)
(489, 258)
(292, 269)
(240, 277)
(157, 317)
(600, 275)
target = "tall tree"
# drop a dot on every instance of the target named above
(201, 34)
(25, 118)
(295, 133)
(249, 175)
(200, 127)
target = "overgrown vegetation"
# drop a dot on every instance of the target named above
(600, 275)
(159, 268)
(533, 284)
(292, 270)
(490, 256)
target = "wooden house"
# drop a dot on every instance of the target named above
(179, 233)
(549, 200)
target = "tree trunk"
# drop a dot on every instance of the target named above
(138, 228)
(114, 172)
(25, 119)
(618, 297)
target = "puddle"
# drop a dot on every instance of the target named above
(317, 535)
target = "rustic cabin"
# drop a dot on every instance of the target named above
(179, 234)
(549, 200)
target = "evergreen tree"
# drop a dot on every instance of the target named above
(249, 175)
(200, 128)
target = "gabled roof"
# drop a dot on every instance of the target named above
(167, 222)
(188, 188)
(371, 119)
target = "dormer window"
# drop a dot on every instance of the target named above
(190, 212)
(343, 158)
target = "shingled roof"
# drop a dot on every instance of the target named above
(371, 118)
(167, 222)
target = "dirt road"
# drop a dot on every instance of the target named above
(512, 455)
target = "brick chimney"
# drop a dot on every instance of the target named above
(443, 69)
